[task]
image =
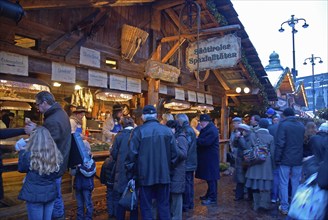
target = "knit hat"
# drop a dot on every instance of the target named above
(264, 123)
(270, 111)
(288, 112)
(204, 117)
(149, 109)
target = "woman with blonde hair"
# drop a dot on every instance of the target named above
(40, 159)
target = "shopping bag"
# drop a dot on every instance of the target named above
(257, 154)
(309, 202)
(129, 197)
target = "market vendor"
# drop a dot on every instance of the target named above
(112, 124)
(76, 119)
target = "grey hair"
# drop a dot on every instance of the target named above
(45, 96)
(167, 117)
(146, 117)
(182, 118)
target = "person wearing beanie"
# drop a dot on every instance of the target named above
(270, 113)
(152, 154)
(289, 155)
(111, 125)
(208, 158)
(259, 177)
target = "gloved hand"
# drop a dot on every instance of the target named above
(20, 144)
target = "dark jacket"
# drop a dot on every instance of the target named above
(322, 178)
(191, 161)
(57, 122)
(153, 152)
(179, 172)
(119, 152)
(107, 172)
(289, 142)
(319, 146)
(208, 153)
(36, 188)
(273, 130)
(81, 182)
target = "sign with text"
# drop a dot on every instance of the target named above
(133, 85)
(63, 72)
(214, 53)
(192, 97)
(117, 82)
(200, 97)
(162, 89)
(97, 78)
(12, 63)
(209, 99)
(89, 57)
(179, 94)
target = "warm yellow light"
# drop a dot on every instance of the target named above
(246, 90)
(238, 90)
(56, 84)
(3, 81)
(77, 87)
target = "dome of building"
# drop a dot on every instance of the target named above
(274, 63)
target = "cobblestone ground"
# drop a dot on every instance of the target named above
(226, 209)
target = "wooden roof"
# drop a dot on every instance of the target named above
(62, 26)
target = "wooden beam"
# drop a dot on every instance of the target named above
(161, 5)
(221, 79)
(235, 100)
(224, 130)
(173, 50)
(175, 18)
(202, 33)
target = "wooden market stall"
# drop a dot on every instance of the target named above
(145, 49)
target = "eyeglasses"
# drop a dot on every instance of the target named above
(38, 104)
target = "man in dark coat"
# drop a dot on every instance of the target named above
(208, 158)
(152, 154)
(289, 155)
(191, 161)
(57, 122)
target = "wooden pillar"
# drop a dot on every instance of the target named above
(224, 127)
(153, 84)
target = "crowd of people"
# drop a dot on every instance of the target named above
(295, 151)
(164, 157)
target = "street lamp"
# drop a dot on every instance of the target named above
(312, 61)
(292, 22)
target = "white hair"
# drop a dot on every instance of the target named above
(324, 127)
(146, 117)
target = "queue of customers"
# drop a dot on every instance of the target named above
(163, 158)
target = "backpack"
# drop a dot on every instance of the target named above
(107, 171)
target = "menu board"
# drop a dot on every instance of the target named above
(117, 82)
(209, 99)
(89, 57)
(63, 72)
(192, 97)
(179, 94)
(200, 97)
(97, 78)
(14, 64)
(133, 85)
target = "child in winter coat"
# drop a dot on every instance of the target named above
(84, 185)
(40, 159)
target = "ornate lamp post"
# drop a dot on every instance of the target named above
(292, 22)
(312, 61)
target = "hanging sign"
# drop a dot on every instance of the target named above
(117, 82)
(214, 53)
(133, 85)
(209, 99)
(89, 57)
(97, 78)
(192, 96)
(63, 72)
(162, 89)
(165, 72)
(12, 63)
(200, 97)
(179, 94)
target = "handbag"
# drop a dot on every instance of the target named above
(129, 197)
(310, 201)
(256, 154)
